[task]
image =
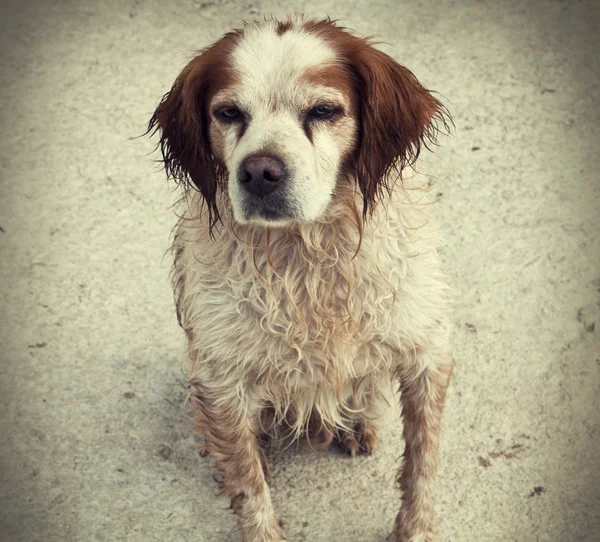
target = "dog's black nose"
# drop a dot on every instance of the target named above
(260, 174)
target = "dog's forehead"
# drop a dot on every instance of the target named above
(270, 66)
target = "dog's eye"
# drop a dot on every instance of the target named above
(229, 113)
(324, 112)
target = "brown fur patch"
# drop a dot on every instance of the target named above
(183, 119)
(334, 75)
(283, 27)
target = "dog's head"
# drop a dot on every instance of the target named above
(280, 112)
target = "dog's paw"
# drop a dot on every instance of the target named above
(360, 441)
(319, 438)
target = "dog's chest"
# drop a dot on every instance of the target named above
(293, 310)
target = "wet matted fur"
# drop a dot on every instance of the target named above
(306, 268)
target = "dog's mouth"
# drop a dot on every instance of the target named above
(272, 209)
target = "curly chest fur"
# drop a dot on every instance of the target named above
(303, 304)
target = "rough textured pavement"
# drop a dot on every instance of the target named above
(96, 440)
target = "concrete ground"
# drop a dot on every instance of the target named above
(96, 440)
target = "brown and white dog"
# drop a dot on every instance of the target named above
(306, 273)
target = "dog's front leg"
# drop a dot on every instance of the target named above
(228, 426)
(422, 400)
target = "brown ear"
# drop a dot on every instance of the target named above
(398, 116)
(182, 118)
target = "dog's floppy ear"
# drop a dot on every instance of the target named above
(397, 117)
(182, 118)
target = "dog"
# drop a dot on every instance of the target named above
(306, 269)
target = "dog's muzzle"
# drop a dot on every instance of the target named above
(264, 179)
